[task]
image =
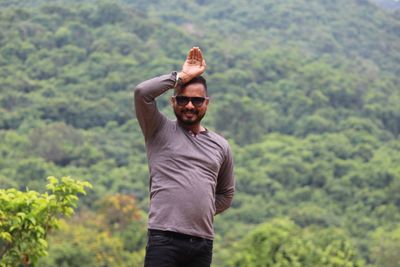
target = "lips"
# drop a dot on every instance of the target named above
(189, 113)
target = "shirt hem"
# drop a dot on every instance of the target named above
(185, 231)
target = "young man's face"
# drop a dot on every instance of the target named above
(190, 112)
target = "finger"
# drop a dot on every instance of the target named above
(190, 54)
(201, 58)
(196, 53)
(193, 54)
(199, 55)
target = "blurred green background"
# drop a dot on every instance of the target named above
(306, 92)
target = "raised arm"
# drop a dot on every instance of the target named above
(150, 119)
(147, 113)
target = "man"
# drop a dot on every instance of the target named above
(191, 168)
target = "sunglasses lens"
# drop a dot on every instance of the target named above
(197, 101)
(182, 100)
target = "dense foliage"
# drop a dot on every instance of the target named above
(26, 218)
(307, 92)
(282, 243)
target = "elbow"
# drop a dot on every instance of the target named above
(139, 94)
(222, 209)
(138, 91)
(229, 201)
(142, 93)
(223, 202)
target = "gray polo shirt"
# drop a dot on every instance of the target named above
(191, 176)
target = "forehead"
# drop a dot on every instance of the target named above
(195, 89)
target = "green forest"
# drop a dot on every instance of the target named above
(306, 92)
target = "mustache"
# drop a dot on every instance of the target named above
(193, 111)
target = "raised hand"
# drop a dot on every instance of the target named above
(194, 65)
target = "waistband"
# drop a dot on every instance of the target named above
(176, 235)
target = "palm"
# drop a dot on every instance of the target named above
(194, 65)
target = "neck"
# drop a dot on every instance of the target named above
(195, 128)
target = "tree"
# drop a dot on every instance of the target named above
(113, 235)
(385, 247)
(27, 217)
(281, 243)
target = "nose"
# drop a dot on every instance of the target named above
(189, 105)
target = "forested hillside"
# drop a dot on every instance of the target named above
(389, 4)
(307, 92)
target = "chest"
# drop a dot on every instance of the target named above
(200, 151)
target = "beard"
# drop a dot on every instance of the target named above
(180, 117)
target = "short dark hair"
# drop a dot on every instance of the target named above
(198, 79)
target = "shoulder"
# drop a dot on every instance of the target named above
(218, 138)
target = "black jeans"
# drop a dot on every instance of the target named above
(170, 249)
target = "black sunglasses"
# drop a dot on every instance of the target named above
(184, 100)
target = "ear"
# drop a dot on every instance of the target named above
(172, 101)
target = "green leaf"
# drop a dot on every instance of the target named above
(42, 242)
(6, 236)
